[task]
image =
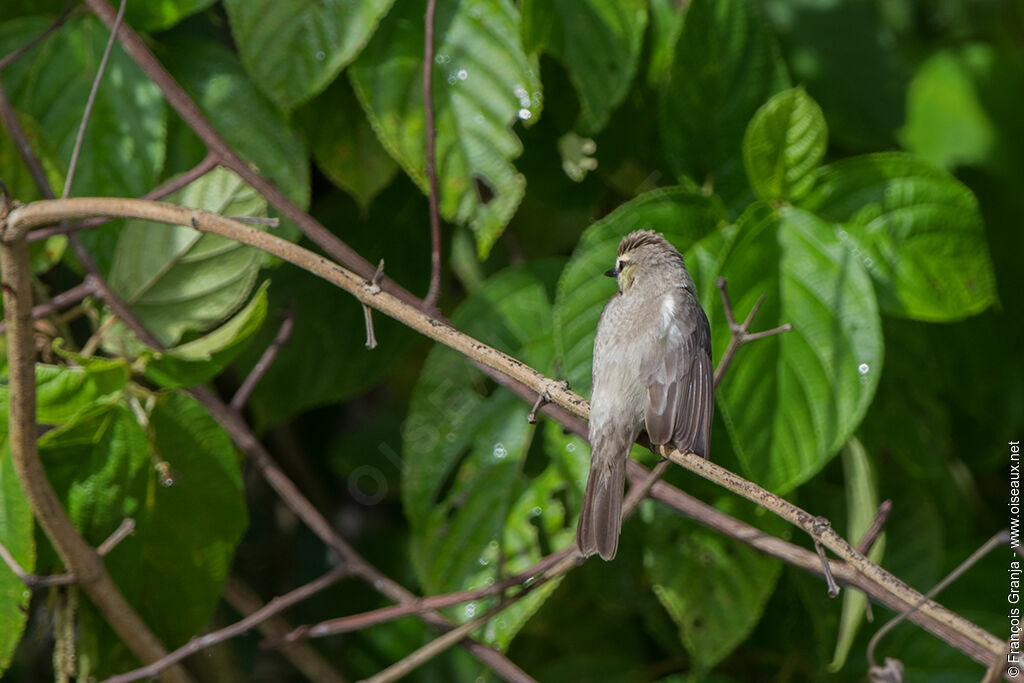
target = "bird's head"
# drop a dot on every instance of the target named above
(645, 255)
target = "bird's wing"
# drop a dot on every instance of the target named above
(680, 377)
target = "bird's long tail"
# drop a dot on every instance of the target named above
(601, 515)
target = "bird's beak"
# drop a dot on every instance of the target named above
(612, 273)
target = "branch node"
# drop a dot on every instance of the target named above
(126, 529)
(374, 282)
(542, 398)
(826, 568)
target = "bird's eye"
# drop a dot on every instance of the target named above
(620, 265)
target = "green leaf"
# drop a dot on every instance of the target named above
(176, 279)
(784, 144)
(483, 83)
(726, 65)
(666, 25)
(599, 42)
(156, 15)
(345, 147)
(16, 534)
(916, 229)
(173, 567)
(62, 391)
(475, 515)
(125, 142)
(862, 504)
(203, 359)
(247, 121)
(714, 588)
(293, 49)
(790, 401)
(683, 216)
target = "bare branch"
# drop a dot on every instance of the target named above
(126, 528)
(973, 640)
(193, 646)
(171, 186)
(91, 102)
(241, 396)
(60, 301)
(303, 657)
(999, 538)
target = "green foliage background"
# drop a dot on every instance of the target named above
(857, 163)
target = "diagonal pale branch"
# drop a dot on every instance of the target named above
(971, 639)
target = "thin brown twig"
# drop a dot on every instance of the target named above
(57, 23)
(302, 656)
(278, 604)
(363, 620)
(126, 528)
(61, 301)
(434, 292)
(1000, 538)
(867, 541)
(435, 647)
(91, 102)
(740, 334)
(284, 332)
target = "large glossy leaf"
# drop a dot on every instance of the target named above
(714, 588)
(16, 529)
(475, 515)
(917, 231)
(784, 144)
(293, 49)
(683, 216)
(248, 122)
(176, 279)
(861, 504)
(204, 358)
(483, 83)
(344, 145)
(172, 568)
(124, 144)
(726, 65)
(599, 42)
(790, 401)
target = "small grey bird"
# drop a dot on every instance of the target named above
(652, 364)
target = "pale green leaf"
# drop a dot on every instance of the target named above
(483, 83)
(791, 401)
(784, 144)
(204, 358)
(916, 230)
(861, 504)
(294, 48)
(176, 279)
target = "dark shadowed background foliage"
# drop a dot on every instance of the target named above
(858, 163)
